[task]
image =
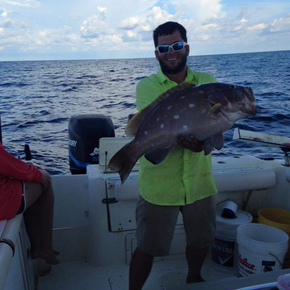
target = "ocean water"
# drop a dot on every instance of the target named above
(39, 97)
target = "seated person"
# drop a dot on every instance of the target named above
(26, 189)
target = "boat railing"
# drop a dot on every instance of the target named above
(108, 147)
(9, 231)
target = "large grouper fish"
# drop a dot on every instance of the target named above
(205, 111)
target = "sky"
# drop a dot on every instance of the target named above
(106, 29)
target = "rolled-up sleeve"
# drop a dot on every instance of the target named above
(17, 169)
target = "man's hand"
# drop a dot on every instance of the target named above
(193, 145)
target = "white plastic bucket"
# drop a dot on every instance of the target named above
(224, 248)
(261, 248)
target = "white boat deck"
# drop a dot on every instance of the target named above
(166, 275)
(82, 276)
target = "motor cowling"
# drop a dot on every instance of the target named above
(84, 133)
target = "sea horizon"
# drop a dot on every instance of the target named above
(136, 58)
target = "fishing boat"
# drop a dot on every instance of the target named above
(95, 228)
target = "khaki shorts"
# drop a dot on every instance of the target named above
(156, 224)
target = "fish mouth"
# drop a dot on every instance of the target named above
(228, 115)
(251, 110)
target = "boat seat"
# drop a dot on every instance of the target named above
(229, 180)
(244, 179)
(2, 226)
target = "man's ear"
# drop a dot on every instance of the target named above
(156, 55)
(187, 50)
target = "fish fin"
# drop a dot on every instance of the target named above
(212, 112)
(123, 162)
(158, 155)
(217, 142)
(135, 122)
(208, 147)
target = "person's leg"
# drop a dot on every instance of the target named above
(195, 259)
(140, 268)
(199, 224)
(39, 221)
(155, 228)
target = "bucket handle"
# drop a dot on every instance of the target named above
(281, 264)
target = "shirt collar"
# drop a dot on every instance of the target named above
(190, 77)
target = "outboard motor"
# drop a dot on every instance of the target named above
(84, 133)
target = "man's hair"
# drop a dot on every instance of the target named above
(168, 28)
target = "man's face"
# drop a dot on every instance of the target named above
(172, 62)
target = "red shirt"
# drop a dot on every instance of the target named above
(12, 171)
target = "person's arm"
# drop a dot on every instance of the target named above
(15, 168)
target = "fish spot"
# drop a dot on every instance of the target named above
(146, 132)
(191, 105)
(176, 117)
(185, 127)
(203, 111)
(182, 97)
(157, 119)
(162, 126)
(169, 107)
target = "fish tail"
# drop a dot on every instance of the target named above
(123, 162)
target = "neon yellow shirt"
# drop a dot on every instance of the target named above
(184, 176)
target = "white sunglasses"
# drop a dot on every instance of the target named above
(164, 48)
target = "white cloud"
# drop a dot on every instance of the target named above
(20, 3)
(5, 22)
(210, 25)
(148, 22)
(96, 24)
(259, 26)
(199, 10)
(156, 17)
(130, 23)
(135, 28)
(281, 24)
(140, 28)
(130, 36)
(213, 26)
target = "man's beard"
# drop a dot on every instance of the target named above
(168, 70)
